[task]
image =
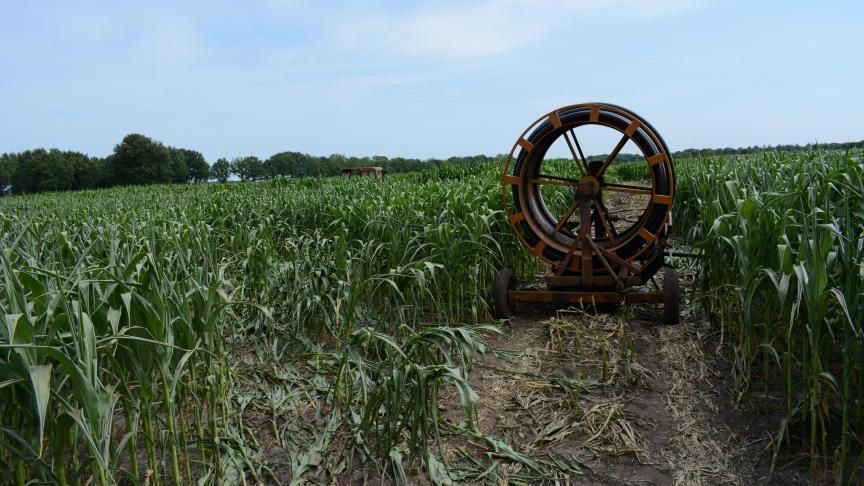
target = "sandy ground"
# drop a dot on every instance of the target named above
(645, 403)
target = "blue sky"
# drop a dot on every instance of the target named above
(422, 79)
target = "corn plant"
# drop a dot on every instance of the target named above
(122, 309)
(783, 236)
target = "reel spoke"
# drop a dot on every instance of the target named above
(603, 214)
(629, 189)
(579, 148)
(583, 167)
(566, 216)
(612, 156)
(550, 180)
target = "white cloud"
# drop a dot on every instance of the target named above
(492, 27)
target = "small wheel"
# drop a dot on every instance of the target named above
(671, 296)
(502, 305)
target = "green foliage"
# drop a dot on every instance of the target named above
(179, 169)
(248, 168)
(401, 402)
(89, 172)
(783, 276)
(693, 152)
(40, 170)
(8, 168)
(137, 160)
(287, 164)
(121, 307)
(199, 170)
(188, 166)
(628, 171)
(105, 329)
(140, 160)
(221, 170)
(296, 164)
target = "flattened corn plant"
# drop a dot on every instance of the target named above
(120, 308)
(783, 275)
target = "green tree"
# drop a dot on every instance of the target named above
(88, 172)
(140, 160)
(335, 164)
(8, 168)
(179, 168)
(43, 170)
(247, 168)
(188, 166)
(283, 164)
(199, 170)
(221, 170)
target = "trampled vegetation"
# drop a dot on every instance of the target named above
(144, 326)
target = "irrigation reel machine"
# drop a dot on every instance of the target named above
(602, 234)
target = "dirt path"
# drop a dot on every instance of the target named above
(630, 401)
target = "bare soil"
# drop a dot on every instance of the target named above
(656, 408)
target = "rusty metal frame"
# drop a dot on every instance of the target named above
(585, 297)
(507, 180)
(588, 272)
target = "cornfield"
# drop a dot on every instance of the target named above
(124, 310)
(143, 324)
(783, 276)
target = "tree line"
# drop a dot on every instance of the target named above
(693, 152)
(141, 160)
(136, 160)
(297, 164)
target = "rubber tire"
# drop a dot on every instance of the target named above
(671, 296)
(502, 305)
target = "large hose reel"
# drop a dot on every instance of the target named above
(600, 230)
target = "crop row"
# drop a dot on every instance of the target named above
(122, 306)
(783, 276)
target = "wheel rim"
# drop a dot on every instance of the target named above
(549, 232)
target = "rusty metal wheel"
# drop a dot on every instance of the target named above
(629, 213)
(671, 296)
(502, 304)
